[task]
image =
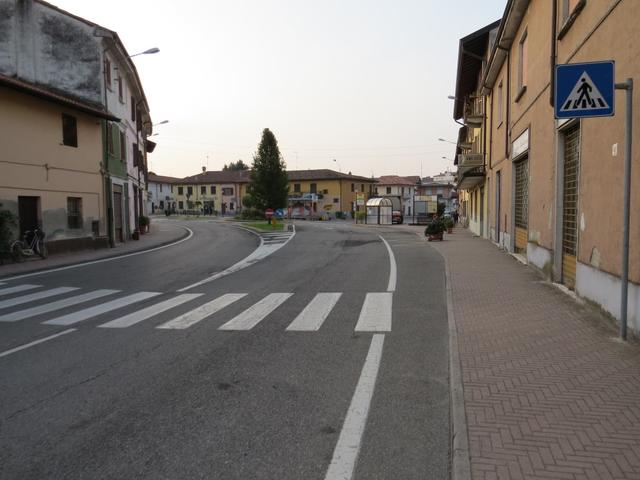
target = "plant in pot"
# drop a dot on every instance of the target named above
(143, 223)
(435, 230)
(448, 224)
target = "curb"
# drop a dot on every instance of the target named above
(459, 449)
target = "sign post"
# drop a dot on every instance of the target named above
(586, 90)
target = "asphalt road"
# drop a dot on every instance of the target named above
(252, 400)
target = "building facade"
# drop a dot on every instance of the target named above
(401, 191)
(212, 192)
(160, 197)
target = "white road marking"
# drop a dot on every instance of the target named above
(393, 269)
(347, 449)
(100, 309)
(17, 289)
(315, 313)
(376, 313)
(35, 296)
(140, 315)
(27, 345)
(256, 313)
(263, 251)
(110, 259)
(53, 306)
(202, 312)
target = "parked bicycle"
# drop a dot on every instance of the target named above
(32, 243)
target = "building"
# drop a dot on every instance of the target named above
(446, 192)
(553, 189)
(160, 197)
(66, 135)
(212, 192)
(400, 190)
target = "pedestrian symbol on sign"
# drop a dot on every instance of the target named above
(584, 96)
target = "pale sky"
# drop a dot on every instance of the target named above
(361, 82)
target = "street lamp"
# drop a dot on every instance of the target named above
(146, 52)
(448, 141)
(160, 123)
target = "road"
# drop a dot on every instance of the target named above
(316, 362)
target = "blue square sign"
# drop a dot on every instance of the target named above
(585, 90)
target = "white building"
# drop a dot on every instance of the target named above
(400, 190)
(160, 196)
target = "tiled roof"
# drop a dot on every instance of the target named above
(221, 176)
(244, 176)
(396, 180)
(324, 174)
(162, 179)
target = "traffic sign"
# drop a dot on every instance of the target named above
(585, 90)
(268, 212)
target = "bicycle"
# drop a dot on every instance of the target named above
(28, 248)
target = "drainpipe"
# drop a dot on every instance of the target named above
(552, 80)
(105, 148)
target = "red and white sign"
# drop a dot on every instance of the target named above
(268, 212)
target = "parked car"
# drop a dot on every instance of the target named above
(396, 217)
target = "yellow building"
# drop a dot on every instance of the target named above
(211, 192)
(50, 164)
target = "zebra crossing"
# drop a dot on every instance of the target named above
(26, 301)
(274, 238)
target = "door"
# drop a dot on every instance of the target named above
(482, 211)
(521, 209)
(28, 213)
(498, 199)
(117, 212)
(570, 205)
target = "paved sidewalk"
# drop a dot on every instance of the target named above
(549, 390)
(162, 232)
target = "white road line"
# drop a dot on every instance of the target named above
(263, 251)
(36, 296)
(100, 309)
(315, 313)
(140, 315)
(256, 313)
(53, 306)
(17, 289)
(202, 312)
(393, 269)
(376, 313)
(110, 259)
(27, 345)
(347, 449)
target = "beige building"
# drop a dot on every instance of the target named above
(553, 192)
(50, 164)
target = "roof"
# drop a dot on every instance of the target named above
(324, 174)
(397, 180)
(379, 202)
(162, 179)
(220, 176)
(471, 53)
(52, 96)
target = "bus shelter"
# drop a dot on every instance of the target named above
(379, 211)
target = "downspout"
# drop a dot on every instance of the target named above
(507, 127)
(552, 72)
(105, 148)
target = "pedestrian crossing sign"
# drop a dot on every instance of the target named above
(585, 90)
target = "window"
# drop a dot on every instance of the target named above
(500, 100)
(180, 191)
(362, 187)
(160, 187)
(336, 200)
(181, 204)
(227, 191)
(388, 190)
(123, 146)
(120, 90)
(107, 72)
(353, 187)
(313, 188)
(69, 130)
(522, 64)
(133, 109)
(161, 205)
(189, 191)
(296, 187)
(203, 190)
(231, 206)
(110, 146)
(325, 191)
(213, 189)
(171, 188)
(74, 212)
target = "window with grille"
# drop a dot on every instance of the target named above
(570, 203)
(522, 194)
(74, 212)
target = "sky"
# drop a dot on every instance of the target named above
(358, 86)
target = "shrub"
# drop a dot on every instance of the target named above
(448, 222)
(143, 221)
(435, 227)
(252, 214)
(8, 222)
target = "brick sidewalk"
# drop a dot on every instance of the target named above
(549, 390)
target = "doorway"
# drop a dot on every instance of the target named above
(498, 200)
(570, 205)
(521, 209)
(117, 212)
(28, 213)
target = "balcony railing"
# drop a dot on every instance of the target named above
(474, 112)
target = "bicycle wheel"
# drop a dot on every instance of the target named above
(16, 251)
(42, 249)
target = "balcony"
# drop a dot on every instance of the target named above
(474, 112)
(471, 170)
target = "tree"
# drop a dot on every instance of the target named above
(235, 166)
(269, 186)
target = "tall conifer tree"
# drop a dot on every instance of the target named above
(269, 185)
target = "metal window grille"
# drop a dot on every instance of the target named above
(74, 212)
(570, 203)
(522, 194)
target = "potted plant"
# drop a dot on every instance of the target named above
(143, 223)
(435, 230)
(448, 224)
